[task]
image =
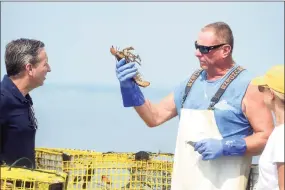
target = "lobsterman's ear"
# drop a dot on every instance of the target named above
(226, 50)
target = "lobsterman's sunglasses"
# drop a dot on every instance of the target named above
(206, 49)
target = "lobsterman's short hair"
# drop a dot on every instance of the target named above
(223, 32)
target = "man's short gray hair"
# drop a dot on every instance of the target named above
(21, 52)
(223, 32)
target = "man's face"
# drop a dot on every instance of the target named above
(207, 38)
(39, 71)
(268, 95)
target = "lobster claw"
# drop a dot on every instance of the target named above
(138, 59)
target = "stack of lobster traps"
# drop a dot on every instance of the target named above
(72, 169)
(117, 171)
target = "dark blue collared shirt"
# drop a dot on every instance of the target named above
(18, 126)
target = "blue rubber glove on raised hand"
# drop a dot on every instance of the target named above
(131, 93)
(213, 148)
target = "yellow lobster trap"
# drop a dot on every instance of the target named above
(16, 178)
(116, 171)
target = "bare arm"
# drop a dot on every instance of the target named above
(156, 114)
(280, 168)
(260, 119)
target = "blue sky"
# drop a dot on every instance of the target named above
(80, 104)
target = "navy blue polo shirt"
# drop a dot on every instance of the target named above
(18, 128)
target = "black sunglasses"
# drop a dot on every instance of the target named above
(206, 49)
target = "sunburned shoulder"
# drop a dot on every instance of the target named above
(252, 98)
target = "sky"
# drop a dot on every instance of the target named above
(80, 104)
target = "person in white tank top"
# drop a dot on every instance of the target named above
(271, 162)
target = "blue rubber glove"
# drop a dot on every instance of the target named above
(131, 93)
(234, 146)
(209, 148)
(213, 148)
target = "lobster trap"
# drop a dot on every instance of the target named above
(118, 171)
(14, 178)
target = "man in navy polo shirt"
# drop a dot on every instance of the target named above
(26, 65)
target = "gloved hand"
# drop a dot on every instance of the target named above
(131, 93)
(213, 148)
(125, 73)
(209, 148)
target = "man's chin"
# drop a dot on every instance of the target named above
(204, 66)
(41, 83)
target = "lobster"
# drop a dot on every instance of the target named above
(130, 57)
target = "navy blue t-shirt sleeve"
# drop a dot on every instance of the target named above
(2, 117)
(2, 108)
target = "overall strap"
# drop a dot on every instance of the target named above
(221, 90)
(191, 81)
(224, 86)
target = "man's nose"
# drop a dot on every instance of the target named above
(198, 53)
(49, 69)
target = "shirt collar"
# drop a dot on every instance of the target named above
(10, 86)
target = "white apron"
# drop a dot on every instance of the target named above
(190, 172)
